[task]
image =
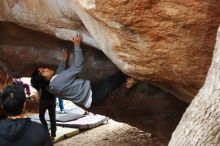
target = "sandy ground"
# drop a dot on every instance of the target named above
(112, 134)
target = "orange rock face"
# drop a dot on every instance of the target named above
(166, 43)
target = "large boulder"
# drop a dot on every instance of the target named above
(166, 43)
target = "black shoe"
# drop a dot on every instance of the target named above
(52, 138)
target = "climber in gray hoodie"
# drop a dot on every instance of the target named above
(16, 129)
(66, 84)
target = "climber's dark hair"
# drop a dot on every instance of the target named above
(38, 81)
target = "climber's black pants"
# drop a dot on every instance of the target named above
(102, 88)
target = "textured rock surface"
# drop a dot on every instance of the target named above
(3, 79)
(200, 123)
(24, 49)
(168, 43)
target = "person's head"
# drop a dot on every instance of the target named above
(13, 100)
(40, 77)
(47, 73)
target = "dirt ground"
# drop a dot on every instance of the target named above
(112, 134)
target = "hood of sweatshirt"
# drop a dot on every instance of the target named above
(12, 130)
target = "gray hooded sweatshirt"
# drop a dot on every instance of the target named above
(66, 85)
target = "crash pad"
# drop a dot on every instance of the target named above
(64, 132)
(69, 117)
(86, 122)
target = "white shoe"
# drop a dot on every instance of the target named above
(62, 112)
